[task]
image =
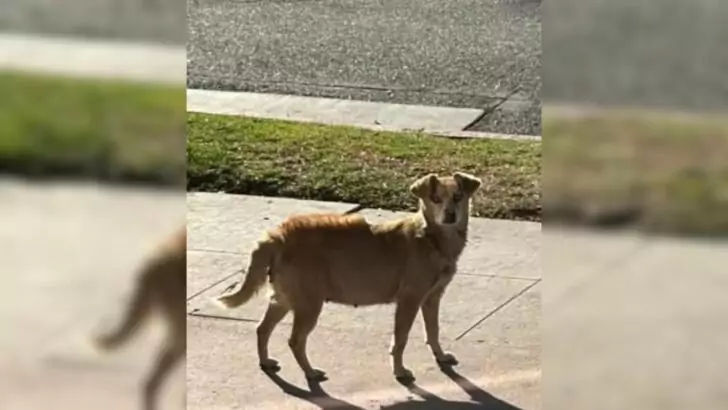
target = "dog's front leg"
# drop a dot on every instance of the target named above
(431, 318)
(404, 318)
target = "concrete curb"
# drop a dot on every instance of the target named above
(440, 121)
(567, 111)
(74, 57)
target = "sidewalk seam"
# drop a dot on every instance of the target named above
(494, 276)
(230, 319)
(215, 251)
(215, 283)
(498, 308)
(612, 265)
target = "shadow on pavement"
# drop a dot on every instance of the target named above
(481, 399)
(315, 395)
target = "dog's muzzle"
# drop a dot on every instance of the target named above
(450, 218)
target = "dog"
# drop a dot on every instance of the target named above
(160, 288)
(317, 258)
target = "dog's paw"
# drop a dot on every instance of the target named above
(316, 376)
(269, 365)
(404, 376)
(446, 360)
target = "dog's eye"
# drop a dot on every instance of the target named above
(435, 199)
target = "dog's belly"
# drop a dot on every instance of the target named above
(362, 287)
(360, 300)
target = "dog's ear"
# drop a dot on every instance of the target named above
(424, 186)
(468, 183)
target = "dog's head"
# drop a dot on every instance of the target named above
(445, 200)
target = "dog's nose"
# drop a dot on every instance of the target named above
(450, 217)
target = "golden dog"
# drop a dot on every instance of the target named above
(160, 288)
(312, 259)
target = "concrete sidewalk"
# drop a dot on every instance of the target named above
(634, 322)
(87, 58)
(490, 320)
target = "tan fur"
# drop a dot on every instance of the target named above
(160, 289)
(312, 259)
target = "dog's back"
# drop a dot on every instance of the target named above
(342, 258)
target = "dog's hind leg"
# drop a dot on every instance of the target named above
(304, 321)
(273, 315)
(136, 312)
(168, 357)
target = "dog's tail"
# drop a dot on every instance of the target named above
(260, 264)
(136, 312)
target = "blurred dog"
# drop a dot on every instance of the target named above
(312, 259)
(160, 289)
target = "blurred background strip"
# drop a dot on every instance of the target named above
(92, 170)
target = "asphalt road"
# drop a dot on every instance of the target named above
(668, 53)
(135, 20)
(466, 53)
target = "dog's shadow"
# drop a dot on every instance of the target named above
(481, 399)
